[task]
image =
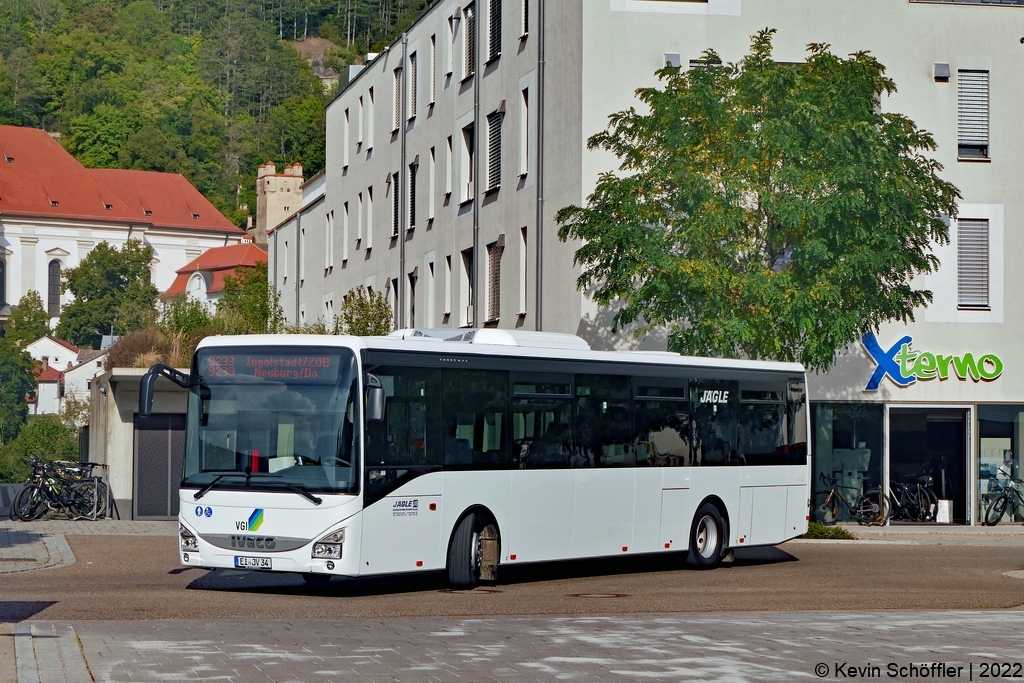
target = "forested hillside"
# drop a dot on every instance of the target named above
(206, 88)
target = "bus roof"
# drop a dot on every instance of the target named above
(485, 342)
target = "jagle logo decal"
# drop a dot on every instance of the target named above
(904, 366)
(255, 520)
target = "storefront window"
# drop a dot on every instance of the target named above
(847, 447)
(999, 457)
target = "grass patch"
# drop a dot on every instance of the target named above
(819, 530)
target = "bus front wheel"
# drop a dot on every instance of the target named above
(707, 537)
(464, 554)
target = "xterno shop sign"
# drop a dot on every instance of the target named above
(904, 366)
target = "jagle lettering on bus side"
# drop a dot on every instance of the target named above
(904, 366)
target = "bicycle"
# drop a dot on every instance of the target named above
(868, 508)
(914, 502)
(61, 487)
(1010, 497)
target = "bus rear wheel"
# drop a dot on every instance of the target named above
(707, 537)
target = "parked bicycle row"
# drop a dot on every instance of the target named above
(62, 487)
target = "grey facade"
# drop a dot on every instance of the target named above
(958, 66)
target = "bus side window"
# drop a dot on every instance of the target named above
(474, 422)
(604, 421)
(662, 419)
(713, 404)
(542, 433)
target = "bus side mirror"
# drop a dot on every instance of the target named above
(149, 383)
(375, 398)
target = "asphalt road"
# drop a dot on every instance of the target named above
(138, 578)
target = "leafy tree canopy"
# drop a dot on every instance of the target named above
(16, 383)
(45, 437)
(249, 305)
(29, 320)
(764, 210)
(365, 313)
(112, 291)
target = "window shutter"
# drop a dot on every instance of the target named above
(972, 264)
(395, 205)
(494, 150)
(413, 168)
(494, 281)
(526, 17)
(494, 24)
(972, 113)
(53, 289)
(413, 74)
(398, 98)
(470, 14)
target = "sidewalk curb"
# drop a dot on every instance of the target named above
(49, 652)
(58, 554)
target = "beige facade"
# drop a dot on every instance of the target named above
(278, 196)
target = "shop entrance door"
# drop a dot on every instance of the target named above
(931, 441)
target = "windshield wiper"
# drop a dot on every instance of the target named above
(206, 489)
(291, 487)
(302, 492)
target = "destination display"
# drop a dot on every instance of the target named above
(305, 368)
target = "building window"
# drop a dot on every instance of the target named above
(972, 114)
(448, 169)
(494, 30)
(369, 120)
(394, 301)
(360, 124)
(494, 280)
(523, 274)
(284, 266)
(53, 291)
(344, 233)
(526, 18)
(328, 241)
(972, 264)
(447, 286)
(345, 133)
(396, 205)
(449, 59)
(369, 217)
(397, 122)
(413, 169)
(431, 170)
(413, 277)
(301, 254)
(3, 283)
(430, 294)
(494, 150)
(413, 81)
(466, 289)
(359, 217)
(848, 447)
(433, 68)
(467, 166)
(469, 60)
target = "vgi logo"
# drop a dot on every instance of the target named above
(904, 366)
(714, 397)
(253, 523)
(253, 542)
(405, 508)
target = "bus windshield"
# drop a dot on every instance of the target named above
(281, 419)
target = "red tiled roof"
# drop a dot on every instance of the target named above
(66, 344)
(47, 374)
(170, 200)
(39, 178)
(36, 173)
(219, 261)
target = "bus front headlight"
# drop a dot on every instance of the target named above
(188, 539)
(329, 546)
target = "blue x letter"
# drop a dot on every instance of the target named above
(885, 362)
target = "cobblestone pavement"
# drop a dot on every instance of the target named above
(692, 647)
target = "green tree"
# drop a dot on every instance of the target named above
(764, 210)
(182, 315)
(29, 320)
(45, 437)
(249, 305)
(112, 291)
(16, 383)
(365, 313)
(151, 150)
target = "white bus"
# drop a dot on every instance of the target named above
(465, 451)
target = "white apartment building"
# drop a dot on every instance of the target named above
(449, 155)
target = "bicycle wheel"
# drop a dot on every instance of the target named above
(84, 496)
(930, 503)
(825, 508)
(29, 504)
(872, 509)
(995, 510)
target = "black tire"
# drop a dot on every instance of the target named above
(872, 509)
(464, 554)
(929, 505)
(83, 495)
(29, 504)
(996, 509)
(825, 509)
(707, 537)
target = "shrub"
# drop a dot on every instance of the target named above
(819, 530)
(46, 437)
